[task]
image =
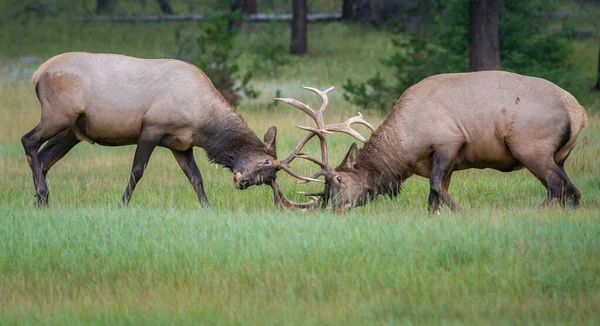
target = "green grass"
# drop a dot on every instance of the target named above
(165, 260)
(104, 265)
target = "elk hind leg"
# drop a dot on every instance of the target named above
(190, 168)
(56, 148)
(557, 183)
(32, 141)
(572, 194)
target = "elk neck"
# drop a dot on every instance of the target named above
(383, 164)
(227, 139)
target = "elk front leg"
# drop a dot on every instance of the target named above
(190, 168)
(439, 180)
(140, 161)
(446, 195)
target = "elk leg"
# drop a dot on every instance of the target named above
(446, 184)
(572, 194)
(140, 161)
(190, 168)
(442, 162)
(448, 200)
(557, 183)
(32, 141)
(56, 148)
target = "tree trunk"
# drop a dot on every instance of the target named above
(347, 9)
(484, 50)
(249, 7)
(244, 6)
(104, 7)
(234, 21)
(377, 11)
(299, 27)
(597, 87)
(165, 7)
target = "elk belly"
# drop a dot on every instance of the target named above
(483, 154)
(108, 132)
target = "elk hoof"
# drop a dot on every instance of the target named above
(42, 198)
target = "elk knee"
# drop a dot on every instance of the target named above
(137, 171)
(29, 143)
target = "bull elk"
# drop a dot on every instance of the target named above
(452, 122)
(118, 100)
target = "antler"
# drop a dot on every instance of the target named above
(282, 201)
(320, 131)
(346, 127)
(317, 116)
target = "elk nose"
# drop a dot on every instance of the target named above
(237, 177)
(244, 184)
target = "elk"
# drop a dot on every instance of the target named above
(116, 100)
(451, 122)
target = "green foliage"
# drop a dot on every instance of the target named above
(524, 48)
(372, 93)
(213, 52)
(270, 52)
(416, 58)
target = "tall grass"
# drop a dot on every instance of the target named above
(163, 260)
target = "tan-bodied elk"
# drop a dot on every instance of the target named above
(118, 100)
(452, 122)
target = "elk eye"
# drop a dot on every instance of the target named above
(339, 178)
(267, 162)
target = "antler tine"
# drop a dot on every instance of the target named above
(312, 194)
(303, 107)
(322, 172)
(346, 127)
(293, 174)
(312, 159)
(359, 119)
(322, 94)
(282, 201)
(298, 148)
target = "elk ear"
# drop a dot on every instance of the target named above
(351, 158)
(270, 140)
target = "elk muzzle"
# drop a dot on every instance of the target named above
(241, 181)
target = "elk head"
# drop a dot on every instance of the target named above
(350, 186)
(259, 166)
(318, 199)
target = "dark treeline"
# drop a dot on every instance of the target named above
(490, 34)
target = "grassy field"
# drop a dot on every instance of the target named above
(165, 260)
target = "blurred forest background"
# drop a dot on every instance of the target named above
(254, 50)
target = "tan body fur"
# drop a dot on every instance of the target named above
(488, 119)
(116, 100)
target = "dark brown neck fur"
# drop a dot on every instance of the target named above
(227, 140)
(383, 165)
